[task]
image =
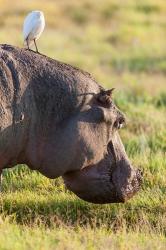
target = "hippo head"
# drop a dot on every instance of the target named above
(106, 174)
(58, 120)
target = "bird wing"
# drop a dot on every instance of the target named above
(29, 24)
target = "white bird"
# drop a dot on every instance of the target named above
(34, 24)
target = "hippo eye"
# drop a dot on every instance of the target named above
(120, 122)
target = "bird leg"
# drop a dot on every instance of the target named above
(36, 46)
(27, 44)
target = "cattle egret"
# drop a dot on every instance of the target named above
(34, 24)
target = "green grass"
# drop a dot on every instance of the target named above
(79, 238)
(122, 43)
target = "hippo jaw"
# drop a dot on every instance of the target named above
(103, 183)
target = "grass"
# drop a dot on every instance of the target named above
(122, 43)
(82, 238)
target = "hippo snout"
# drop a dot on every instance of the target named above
(97, 184)
(131, 187)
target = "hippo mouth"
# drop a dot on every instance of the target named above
(109, 181)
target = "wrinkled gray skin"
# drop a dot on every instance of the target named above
(56, 119)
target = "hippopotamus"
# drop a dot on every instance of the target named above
(58, 120)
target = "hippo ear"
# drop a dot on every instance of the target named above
(105, 96)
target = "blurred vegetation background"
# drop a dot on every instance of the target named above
(123, 45)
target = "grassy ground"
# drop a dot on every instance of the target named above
(122, 43)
